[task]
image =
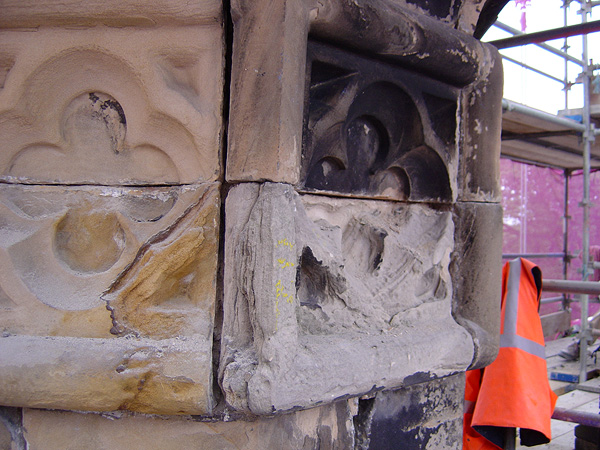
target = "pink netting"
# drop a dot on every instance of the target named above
(533, 202)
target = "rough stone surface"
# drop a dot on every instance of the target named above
(267, 90)
(391, 31)
(425, 416)
(63, 247)
(111, 106)
(328, 427)
(170, 376)
(476, 269)
(462, 15)
(479, 168)
(34, 13)
(333, 297)
(11, 429)
(150, 255)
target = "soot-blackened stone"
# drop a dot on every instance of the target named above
(373, 129)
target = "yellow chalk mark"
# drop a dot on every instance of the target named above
(285, 263)
(285, 243)
(280, 293)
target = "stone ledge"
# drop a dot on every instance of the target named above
(35, 13)
(169, 376)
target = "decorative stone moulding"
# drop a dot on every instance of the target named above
(476, 279)
(110, 117)
(107, 297)
(376, 130)
(326, 298)
(116, 13)
(438, 74)
(111, 107)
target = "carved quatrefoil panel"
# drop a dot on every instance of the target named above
(134, 115)
(376, 130)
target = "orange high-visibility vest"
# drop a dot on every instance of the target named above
(513, 391)
(472, 440)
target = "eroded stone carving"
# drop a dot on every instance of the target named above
(109, 206)
(329, 426)
(68, 245)
(315, 287)
(125, 107)
(375, 130)
(170, 287)
(150, 256)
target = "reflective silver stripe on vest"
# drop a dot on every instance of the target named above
(510, 338)
(527, 345)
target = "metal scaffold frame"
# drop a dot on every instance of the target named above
(586, 131)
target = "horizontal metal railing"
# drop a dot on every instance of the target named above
(572, 287)
(581, 417)
(533, 255)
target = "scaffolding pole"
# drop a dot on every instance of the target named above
(585, 128)
(548, 35)
(566, 218)
(588, 137)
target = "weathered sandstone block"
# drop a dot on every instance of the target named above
(111, 106)
(82, 265)
(479, 167)
(332, 297)
(438, 75)
(267, 90)
(328, 427)
(476, 270)
(168, 376)
(63, 248)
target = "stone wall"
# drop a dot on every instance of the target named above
(249, 225)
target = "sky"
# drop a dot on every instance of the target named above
(527, 87)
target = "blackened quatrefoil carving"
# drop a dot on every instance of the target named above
(364, 135)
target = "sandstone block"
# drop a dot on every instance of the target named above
(477, 270)
(331, 297)
(327, 427)
(428, 61)
(267, 90)
(167, 376)
(479, 168)
(111, 106)
(96, 280)
(33, 13)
